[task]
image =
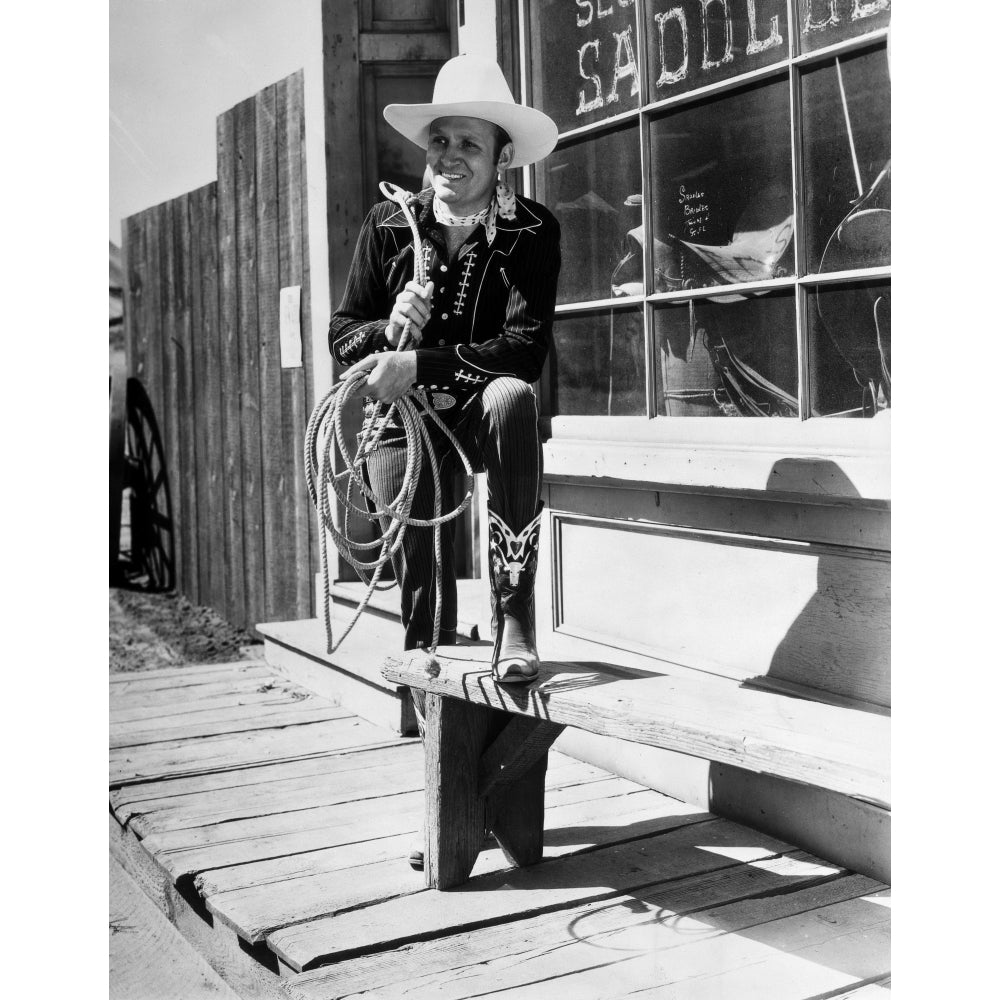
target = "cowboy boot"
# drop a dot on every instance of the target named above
(513, 560)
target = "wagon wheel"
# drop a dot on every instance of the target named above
(116, 459)
(146, 558)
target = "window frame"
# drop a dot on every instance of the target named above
(867, 437)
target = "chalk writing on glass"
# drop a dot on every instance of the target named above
(597, 101)
(754, 44)
(860, 9)
(669, 76)
(597, 92)
(693, 39)
(626, 68)
(695, 210)
(727, 20)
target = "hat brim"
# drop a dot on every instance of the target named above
(533, 133)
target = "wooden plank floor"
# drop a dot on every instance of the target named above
(284, 820)
(148, 956)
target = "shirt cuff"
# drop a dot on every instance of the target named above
(436, 367)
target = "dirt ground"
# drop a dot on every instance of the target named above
(147, 631)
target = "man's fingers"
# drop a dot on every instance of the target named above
(365, 364)
(413, 305)
(416, 312)
(424, 291)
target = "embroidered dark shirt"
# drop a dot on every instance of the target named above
(492, 306)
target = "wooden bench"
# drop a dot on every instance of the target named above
(486, 745)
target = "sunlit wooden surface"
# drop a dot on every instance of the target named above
(271, 826)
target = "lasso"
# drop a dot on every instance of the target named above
(326, 428)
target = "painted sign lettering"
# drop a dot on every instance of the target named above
(588, 48)
(820, 14)
(696, 40)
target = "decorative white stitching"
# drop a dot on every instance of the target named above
(464, 376)
(463, 288)
(355, 341)
(512, 553)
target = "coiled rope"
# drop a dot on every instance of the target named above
(325, 431)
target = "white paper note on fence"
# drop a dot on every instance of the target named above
(290, 329)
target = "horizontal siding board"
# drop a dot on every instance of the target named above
(858, 523)
(813, 615)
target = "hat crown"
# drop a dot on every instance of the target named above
(466, 78)
(471, 87)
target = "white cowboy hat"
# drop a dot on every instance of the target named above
(470, 87)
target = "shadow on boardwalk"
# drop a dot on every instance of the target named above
(284, 818)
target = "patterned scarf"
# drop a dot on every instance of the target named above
(503, 203)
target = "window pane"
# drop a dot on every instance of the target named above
(850, 330)
(597, 366)
(727, 357)
(722, 190)
(583, 60)
(398, 160)
(824, 22)
(693, 43)
(593, 188)
(845, 112)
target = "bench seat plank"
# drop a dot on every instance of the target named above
(834, 747)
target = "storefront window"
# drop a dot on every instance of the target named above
(593, 188)
(850, 332)
(727, 357)
(709, 144)
(597, 365)
(845, 140)
(722, 190)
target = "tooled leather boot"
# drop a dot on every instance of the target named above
(513, 560)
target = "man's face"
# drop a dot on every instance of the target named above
(461, 155)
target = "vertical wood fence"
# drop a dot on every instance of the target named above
(203, 278)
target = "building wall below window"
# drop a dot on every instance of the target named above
(785, 591)
(717, 582)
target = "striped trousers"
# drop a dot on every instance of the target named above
(498, 431)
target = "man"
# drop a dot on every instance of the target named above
(480, 330)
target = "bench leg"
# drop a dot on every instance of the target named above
(490, 776)
(517, 815)
(455, 811)
(512, 776)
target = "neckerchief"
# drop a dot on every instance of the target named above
(503, 203)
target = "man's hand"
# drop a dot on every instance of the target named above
(390, 374)
(414, 304)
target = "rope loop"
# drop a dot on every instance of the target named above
(325, 438)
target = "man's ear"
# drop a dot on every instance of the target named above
(505, 157)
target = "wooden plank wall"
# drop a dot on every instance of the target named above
(204, 274)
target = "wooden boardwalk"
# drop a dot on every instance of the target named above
(270, 825)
